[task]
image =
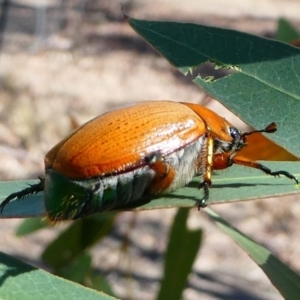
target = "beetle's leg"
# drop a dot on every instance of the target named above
(240, 160)
(202, 202)
(165, 174)
(206, 162)
(32, 189)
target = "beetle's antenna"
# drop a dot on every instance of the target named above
(269, 129)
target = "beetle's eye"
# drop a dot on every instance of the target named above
(234, 133)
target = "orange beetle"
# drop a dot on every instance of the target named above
(144, 149)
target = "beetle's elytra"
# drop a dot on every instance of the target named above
(148, 148)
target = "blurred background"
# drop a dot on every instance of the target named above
(64, 62)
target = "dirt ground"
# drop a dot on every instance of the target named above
(96, 62)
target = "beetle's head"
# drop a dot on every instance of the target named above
(238, 139)
(224, 151)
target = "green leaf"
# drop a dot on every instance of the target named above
(100, 283)
(31, 225)
(286, 32)
(265, 86)
(78, 270)
(283, 278)
(234, 184)
(22, 281)
(181, 252)
(81, 235)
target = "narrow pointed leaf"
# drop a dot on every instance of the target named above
(286, 32)
(181, 252)
(78, 270)
(282, 277)
(100, 283)
(31, 225)
(82, 234)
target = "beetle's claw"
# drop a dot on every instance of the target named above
(202, 202)
(277, 173)
(31, 190)
(286, 174)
